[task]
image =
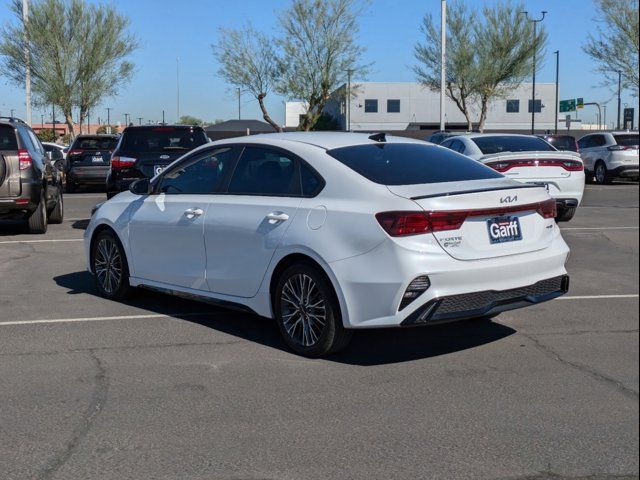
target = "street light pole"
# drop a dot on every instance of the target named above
(108, 119)
(178, 87)
(443, 56)
(557, 52)
(27, 75)
(239, 116)
(139, 120)
(619, 91)
(535, 47)
(349, 72)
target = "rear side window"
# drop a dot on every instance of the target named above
(627, 140)
(507, 143)
(8, 140)
(265, 171)
(410, 164)
(162, 139)
(95, 143)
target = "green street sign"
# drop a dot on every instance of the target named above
(567, 105)
(580, 103)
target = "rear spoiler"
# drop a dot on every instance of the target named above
(478, 190)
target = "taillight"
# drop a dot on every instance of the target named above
(402, 224)
(506, 165)
(75, 151)
(122, 162)
(24, 159)
(616, 148)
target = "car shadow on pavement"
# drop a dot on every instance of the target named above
(368, 347)
(12, 227)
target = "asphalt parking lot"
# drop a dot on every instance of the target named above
(165, 388)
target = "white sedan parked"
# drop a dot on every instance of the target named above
(528, 159)
(330, 232)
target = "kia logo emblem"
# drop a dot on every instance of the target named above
(509, 199)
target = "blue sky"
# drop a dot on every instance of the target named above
(185, 29)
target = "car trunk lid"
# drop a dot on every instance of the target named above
(486, 218)
(531, 166)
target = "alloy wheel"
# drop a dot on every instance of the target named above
(108, 265)
(600, 173)
(303, 309)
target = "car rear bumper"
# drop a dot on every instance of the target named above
(22, 205)
(625, 171)
(88, 175)
(371, 286)
(488, 302)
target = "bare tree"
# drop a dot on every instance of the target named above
(76, 53)
(461, 71)
(318, 50)
(248, 60)
(616, 47)
(504, 46)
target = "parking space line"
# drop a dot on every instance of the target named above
(49, 240)
(597, 297)
(103, 319)
(598, 228)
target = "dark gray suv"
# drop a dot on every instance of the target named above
(30, 186)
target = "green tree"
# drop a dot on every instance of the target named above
(319, 48)
(47, 135)
(190, 120)
(77, 53)
(326, 122)
(504, 50)
(616, 46)
(248, 60)
(461, 64)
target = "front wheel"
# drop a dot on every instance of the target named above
(57, 214)
(307, 312)
(603, 177)
(109, 266)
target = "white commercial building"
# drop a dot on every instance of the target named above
(293, 111)
(411, 106)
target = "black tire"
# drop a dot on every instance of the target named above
(603, 177)
(565, 214)
(109, 266)
(57, 214)
(588, 177)
(300, 323)
(37, 221)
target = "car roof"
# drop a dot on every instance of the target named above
(162, 125)
(326, 140)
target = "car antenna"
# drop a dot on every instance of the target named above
(378, 137)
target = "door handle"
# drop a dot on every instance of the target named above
(193, 212)
(275, 217)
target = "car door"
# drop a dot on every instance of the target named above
(167, 227)
(244, 227)
(587, 151)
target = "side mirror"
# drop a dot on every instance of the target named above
(141, 187)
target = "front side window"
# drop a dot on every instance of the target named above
(598, 141)
(538, 105)
(265, 171)
(511, 143)
(513, 106)
(584, 142)
(371, 105)
(204, 174)
(410, 163)
(393, 106)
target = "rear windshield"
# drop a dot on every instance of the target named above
(162, 139)
(95, 143)
(627, 140)
(563, 143)
(8, 138)
(507, 143)
(410, 164)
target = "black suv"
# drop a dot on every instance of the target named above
(88, 160)
(144, 151)
(30, 186)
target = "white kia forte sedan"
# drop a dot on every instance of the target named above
(331, 232)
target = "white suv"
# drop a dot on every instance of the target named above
(609, 155)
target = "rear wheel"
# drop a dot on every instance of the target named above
(603, 177)
(37, 221)
(565, 214)
(109, 266)
(308, 313)
(57, 214)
